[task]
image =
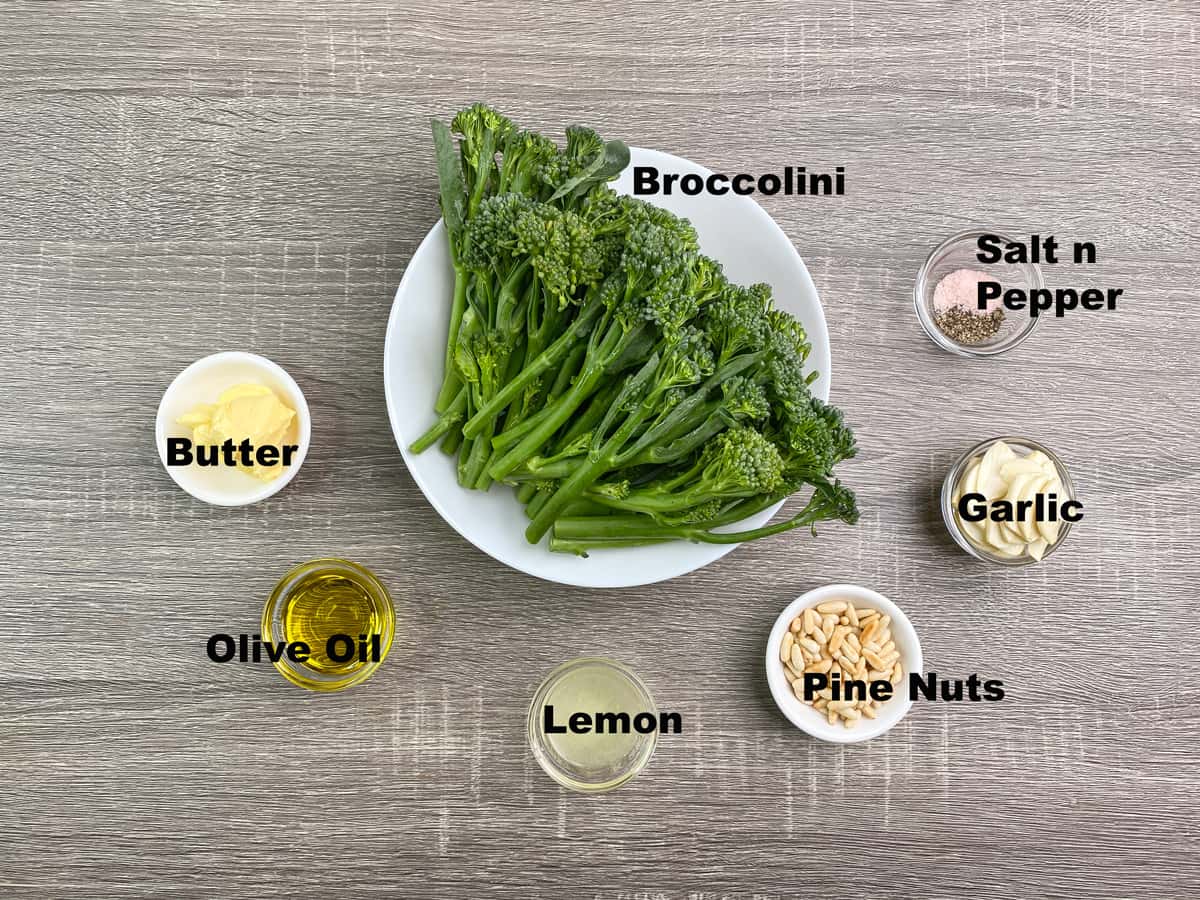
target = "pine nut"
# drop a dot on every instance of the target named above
(797, 659)
(839, 635)
(868, 630)
(840, 640)
(873, 658)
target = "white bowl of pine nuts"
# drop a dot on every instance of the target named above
(832, 631)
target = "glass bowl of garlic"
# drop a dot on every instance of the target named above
(1017, 471)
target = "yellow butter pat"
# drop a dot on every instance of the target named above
(250, 412)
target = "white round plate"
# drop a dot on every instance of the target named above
(733, 229)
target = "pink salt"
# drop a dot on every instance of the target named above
(961, 288)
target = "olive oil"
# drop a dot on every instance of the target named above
(341, 613)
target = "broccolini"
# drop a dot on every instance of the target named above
(602, 365)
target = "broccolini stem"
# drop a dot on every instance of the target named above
(452, 417)
(533, 345)
(477, 466)
(568, 370)
(540, 499)
(680, 414)
(657, 503)
(545, 360)
(450, 379)
(590, 417)
(586, 475)
(464, 461)
(684, 446)
(511, 298)
(581, 548)
(588, 529)
(543, 428)
(452, 442)
(586, 508)
(596, 408)
(534, 470)
(513, 433)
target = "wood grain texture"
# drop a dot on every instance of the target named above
(179, 178)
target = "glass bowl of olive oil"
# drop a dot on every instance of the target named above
(582, 724)
(343, 616)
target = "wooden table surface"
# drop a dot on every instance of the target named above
(181, 178)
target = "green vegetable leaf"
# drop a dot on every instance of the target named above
(450, 180)
(605, 167)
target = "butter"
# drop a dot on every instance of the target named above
(244, 412)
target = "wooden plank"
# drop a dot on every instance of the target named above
(185, 177)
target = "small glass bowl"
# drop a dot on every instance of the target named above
(958, 252)
(603, 776)
(273, 626)
(957, 471)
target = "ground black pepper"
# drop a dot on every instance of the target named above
(966, 327)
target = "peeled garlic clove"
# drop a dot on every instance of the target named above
(1012, 470)
(973, 531)
(1011, 550)
(1035, 485)
(1013, 531)
(1000, 452)
(971, 481)
(995, 538)
(1048, 531)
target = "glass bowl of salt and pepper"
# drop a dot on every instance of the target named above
(946, 298)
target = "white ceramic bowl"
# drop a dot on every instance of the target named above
(201, 382)
(733, 229)
(810, 720)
